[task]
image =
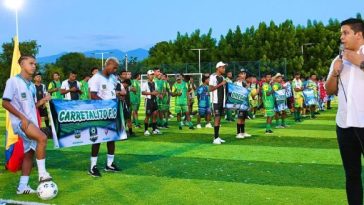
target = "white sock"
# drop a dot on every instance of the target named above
(93, 161)
(23, 182)
(110, 159)
(41, 167)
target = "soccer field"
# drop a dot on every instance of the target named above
(297, 165)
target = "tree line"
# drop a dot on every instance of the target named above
(266, 48)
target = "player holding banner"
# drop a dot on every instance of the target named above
(102, 87)
(238, 95)
(280, 101)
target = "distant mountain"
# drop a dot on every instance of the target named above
(139, 53)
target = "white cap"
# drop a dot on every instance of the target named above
(278, 75)
(220, 64)
(150, 72)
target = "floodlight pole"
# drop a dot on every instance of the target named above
(305, 44)
(126, 61)
(17, 23)
(199, 56)
(102, 58)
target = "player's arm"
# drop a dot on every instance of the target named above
(213, 88)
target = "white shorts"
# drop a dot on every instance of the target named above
(27, 143)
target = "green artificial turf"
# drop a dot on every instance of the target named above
(297, 165)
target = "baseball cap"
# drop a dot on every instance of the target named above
(150, 72)
(220, 64)
(278, 75)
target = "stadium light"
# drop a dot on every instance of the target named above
(102, 57)
(199, 56)
(305, 44)
(15, 5)
(126, 61)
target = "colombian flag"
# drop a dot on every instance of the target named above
(14, 150)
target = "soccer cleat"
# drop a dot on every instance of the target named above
(180, 127)
(146, 133)
(94, 172)
(208, 125)
(240, 136)
(268, 132)
(112, 168)
(26, 190)
(216, 141)
(157, 132)
(246, 134)
(198, 126)
(221, 140)
(45, 177)
(192, 127)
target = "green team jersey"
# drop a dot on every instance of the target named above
(277, 86)
(85, 91)
(268, 100)
(57, 94)
(181, 88)
(135, 96)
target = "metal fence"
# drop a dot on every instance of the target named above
(257, 68)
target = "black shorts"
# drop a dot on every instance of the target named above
(126, 112)
(150, 106)
(43, 112)
(218, 109)
(242, 114)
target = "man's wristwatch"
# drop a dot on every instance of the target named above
(362, 65)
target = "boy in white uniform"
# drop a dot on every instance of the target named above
(20, 100)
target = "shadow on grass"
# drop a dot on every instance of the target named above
(258, 140)
(249, 172)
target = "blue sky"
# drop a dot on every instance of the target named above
(83, 25)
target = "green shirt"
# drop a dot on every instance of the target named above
(57, 94)
(183, 89)
(267, 99)
(85, 91)
(135, 96)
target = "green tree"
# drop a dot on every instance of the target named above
(26, 48)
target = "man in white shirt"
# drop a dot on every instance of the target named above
(102, 87)
(70, 88)
(346, 79)
(19, 99)
(217, 89)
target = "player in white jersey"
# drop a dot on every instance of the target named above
(102, 87)
(20, 100)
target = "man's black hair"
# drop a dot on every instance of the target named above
(24, 57)
(357, 25)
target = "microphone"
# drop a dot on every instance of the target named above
(341, 50)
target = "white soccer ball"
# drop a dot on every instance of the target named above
(47, 190)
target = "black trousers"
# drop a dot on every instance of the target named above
(351, 149)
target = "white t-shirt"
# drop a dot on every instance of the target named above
(103, 86)
(65, 85)
(214, 94)
(21, 95)
(350, 113)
